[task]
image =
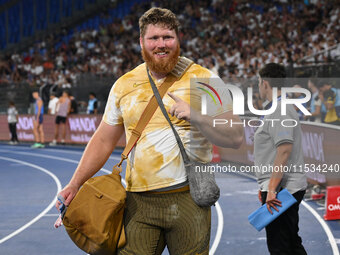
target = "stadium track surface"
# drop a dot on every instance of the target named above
(31, 178)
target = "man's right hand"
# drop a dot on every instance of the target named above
(97, 151)
(68, 193)
(259, 196)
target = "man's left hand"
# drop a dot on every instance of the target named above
(180, 109)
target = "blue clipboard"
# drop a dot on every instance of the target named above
(262, 217)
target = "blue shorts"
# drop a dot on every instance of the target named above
(41, 118)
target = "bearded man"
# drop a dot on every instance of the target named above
(159, 209)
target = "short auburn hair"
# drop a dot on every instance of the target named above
(159, 16)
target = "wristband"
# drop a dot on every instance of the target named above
(272, 191)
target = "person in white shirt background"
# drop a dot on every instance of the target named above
(12, 122)
(52, 104)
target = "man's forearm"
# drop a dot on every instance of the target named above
(280, 161)
(276, 176)
(97, 151)
(94, 157)
(221, 135)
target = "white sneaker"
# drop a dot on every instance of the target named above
(53, 143)
(11, 143)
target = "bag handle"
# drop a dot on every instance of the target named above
(181, 67)
(161, 105)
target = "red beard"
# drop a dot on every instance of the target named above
(163, 66)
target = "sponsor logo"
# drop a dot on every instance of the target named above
(334, 207)
(84, 124)
(312, 145)
(25, 136)
(25, 123)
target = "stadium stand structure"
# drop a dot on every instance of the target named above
(25, 21)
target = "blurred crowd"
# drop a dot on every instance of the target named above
(234, 39)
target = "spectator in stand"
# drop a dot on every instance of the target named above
(299, 33)
(5, 71)
(12, 122)
(52, 104)
(329, 101)
(295, 33)
(38, 129)
(74, 105)
(63, 109)
(315, 104)
(92, 106)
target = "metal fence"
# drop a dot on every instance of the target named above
(20, 93)
(316, 70)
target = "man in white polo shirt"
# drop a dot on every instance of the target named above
(278, 146)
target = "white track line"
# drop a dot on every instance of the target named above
(219, 231)
(220, 219)
(60, 158)
(55, 178)
(52, 215)
(324, 225)
(322, 222)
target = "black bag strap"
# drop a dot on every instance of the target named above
(161, 105)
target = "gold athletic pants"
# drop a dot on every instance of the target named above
(153, 221)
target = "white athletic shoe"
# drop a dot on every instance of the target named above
(53, 143)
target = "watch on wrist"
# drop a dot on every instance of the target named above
(272, 191)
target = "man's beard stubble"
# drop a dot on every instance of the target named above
(163, 66)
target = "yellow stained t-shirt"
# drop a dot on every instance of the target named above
(156, 162)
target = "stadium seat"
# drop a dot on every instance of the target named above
(27, 7)
(14, 23)
(4, 1)
(41, 19)
(54, 12)
(3, 40)
(67, 8)
(79, 4)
